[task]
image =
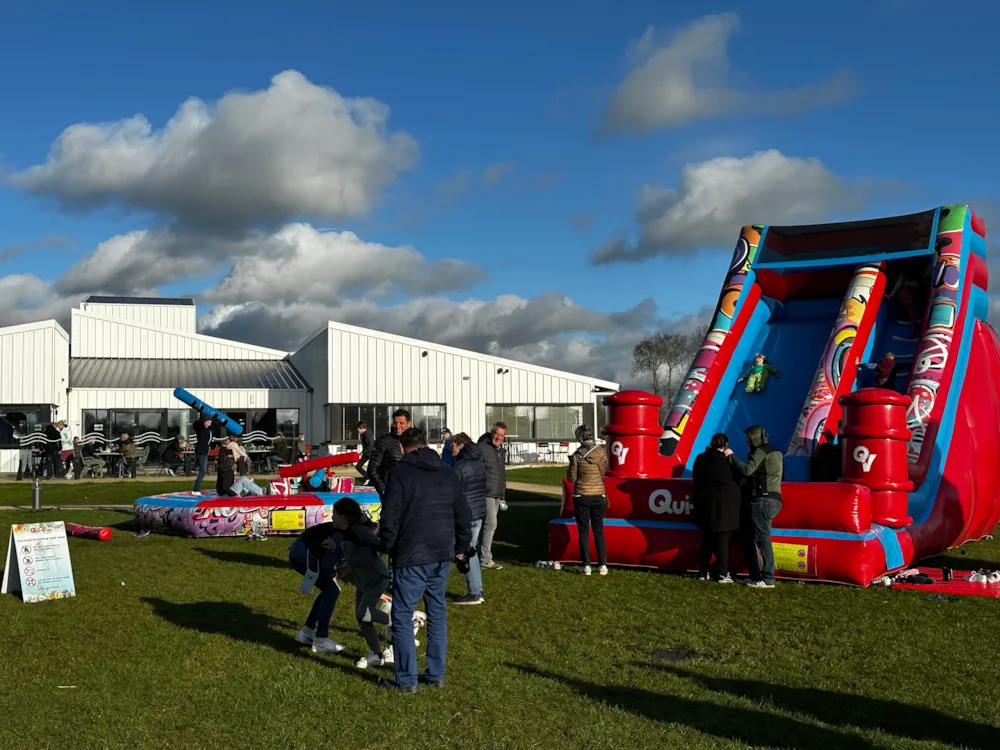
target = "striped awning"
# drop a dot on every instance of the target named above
(270, 374)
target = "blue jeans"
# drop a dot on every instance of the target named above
(758, 539)
(409, 585)
(247, 485)
(322, 609)
(202, 470)
(474, 578)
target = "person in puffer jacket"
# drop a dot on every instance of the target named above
(587, 467)
(472, 479)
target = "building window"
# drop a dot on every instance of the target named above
(520, 420)
(557, 422)
(179, 423)
(288, 422)
(431, 419)
(96, 424)
(20, 421)
(543, 423)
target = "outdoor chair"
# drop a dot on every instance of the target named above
(94, 467)
(141, 457)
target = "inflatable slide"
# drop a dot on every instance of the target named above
(918, 470)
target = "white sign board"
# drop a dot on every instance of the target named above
(38, 566)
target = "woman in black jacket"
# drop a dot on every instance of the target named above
(717, 498)
(471, 473)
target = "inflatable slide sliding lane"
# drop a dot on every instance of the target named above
(918, 471)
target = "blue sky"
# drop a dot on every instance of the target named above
(521, 89)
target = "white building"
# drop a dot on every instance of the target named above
(117, 370)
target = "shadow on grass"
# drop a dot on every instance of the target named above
(244, 558)
(744, 725)
(843, 709)
(523, 535)
(240, 623)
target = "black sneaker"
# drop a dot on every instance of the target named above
(393, 685)
(469, 599)
(424, 679)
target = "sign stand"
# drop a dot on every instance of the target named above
(38, 566)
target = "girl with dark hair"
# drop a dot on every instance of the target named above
(314, 556)
(587, 467)
(362, 549)
(717, 496)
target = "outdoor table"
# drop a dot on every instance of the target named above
(112, 459)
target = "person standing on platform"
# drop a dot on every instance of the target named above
(717, 499)
(366, 440)
(495, 461)
(387, 452)
(425, 524)
(203, 442)
(764, 467)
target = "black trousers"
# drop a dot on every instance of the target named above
(360, 468)
(717, 543)
(589, 511)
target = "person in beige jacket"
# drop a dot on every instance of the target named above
(587, 467)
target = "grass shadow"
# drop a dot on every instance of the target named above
(749, 726)
(522, 535)
(240, 623)
(845, 710)
(244, 558)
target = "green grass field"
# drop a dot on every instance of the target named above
(551, 475)
(186, 643)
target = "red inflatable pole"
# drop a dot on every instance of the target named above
(314, 464)
(101, 534)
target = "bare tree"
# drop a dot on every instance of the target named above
(663, 356)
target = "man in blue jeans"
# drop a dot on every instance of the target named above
(425, 524)
(472, 480)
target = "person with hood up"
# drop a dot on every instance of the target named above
(717, 498)
(764, 468)
(756, 377)
(468, 465)
(587, 467)
(425, 524)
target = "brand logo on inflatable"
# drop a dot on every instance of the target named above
(619, 451)
(661, 501)
(864, 457)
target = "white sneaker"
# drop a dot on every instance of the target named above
(387, 656)
(306, 636)
(726, 578)
(585, 570)
(327, 646)
(372, 660)
(760, 585)
(603, 570)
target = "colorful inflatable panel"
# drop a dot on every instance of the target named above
(918, 465)
(195, 514)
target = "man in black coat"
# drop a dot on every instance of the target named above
(386, 452)
(425, 524)
(472, 480)
(367, 442)
(717, 498)
(203, 434)
(495, 461)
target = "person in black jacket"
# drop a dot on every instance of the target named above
(425, 524)
(318, 550)
(203, 435)
(366, 451)
(717, 496)
(495, 461)
(53, 447)
(386, 452)
(472, 481)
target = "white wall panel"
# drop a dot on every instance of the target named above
(169, 317)
(312, 361)
(34, 364)
(107, 337)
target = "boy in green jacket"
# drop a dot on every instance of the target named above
(756, 376)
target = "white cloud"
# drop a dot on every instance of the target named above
(25, 298)
(48, 241)
(715, 198)
(293, 149)
(302, 264)
(684, 80)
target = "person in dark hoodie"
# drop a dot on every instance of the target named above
(468, 465)
(764, 468)
(717, 499)
(53, 446)
(317, 552)
(203, 435)
(362, 549)
(447, 454)
(367, 442)
(425, 524)
(387, 453)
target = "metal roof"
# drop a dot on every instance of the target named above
(271, 374)
(186, 301)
